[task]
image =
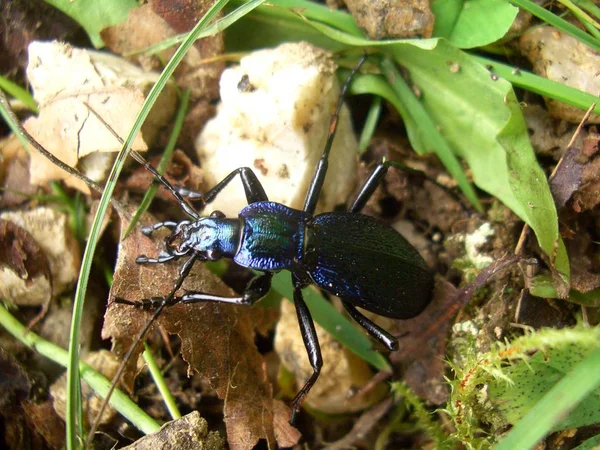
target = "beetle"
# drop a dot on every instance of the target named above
(355, 257)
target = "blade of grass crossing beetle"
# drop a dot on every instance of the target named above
(72, 371)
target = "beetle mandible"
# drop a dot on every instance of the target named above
(355, 257)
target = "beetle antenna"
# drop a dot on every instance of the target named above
(187, 208)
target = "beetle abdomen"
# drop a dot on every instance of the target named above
(272, 236)
(366, 262)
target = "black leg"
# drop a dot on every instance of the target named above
(162, 258)
(257, 288)
(314, 190)
(379, 173)
(252, 187)
(169, 299)
(311, 342)
(378, 333)
(369, 187)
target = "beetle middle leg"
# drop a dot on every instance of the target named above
(257, 288)
(311, 342)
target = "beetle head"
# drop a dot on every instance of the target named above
(199, 237)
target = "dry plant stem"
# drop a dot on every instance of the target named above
(119, 373)
(54, 160)
(374, 381)
(363, 425)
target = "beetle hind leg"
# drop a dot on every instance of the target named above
(376, 332)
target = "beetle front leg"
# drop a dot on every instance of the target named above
(311, 342)
(169, 299)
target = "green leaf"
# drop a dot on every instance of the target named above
(555, 386)
(472, 23)
(94, 15)
(481, 120)
(332, 321)
(539, 383)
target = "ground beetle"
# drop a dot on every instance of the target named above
(355, 257)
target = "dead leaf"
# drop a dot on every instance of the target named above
(159, 20)
(51, 232)
(24, 268)
(65, 80)
(14, 168)
(42, 418)
(568, 177)
(217, 340)
(423, 339)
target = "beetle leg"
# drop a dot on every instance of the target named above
(314, 190)
(369, 187)
(311, 342)
(257, 288)
(379, 173)
(169, 299)
(252, 187)
(378, 333)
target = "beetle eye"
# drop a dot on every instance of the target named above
(217, 214)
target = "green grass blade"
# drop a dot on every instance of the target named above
(543, 86)
(164, 161)
(72, 373)
(332, 321)
(370, 124)
(557, 22)
(213, 29)
(16, 91)
(160, 382)
(100, 384)
(555, 405)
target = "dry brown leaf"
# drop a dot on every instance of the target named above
(51, 231)
(25, 276)
(65, 80)
(159, 20)
(217, 340)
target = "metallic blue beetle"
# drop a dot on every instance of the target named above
(355, 257)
